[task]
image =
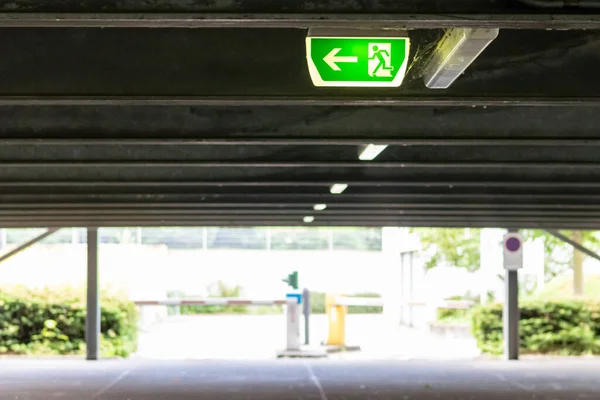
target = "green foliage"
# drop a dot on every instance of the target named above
(317, 304)
(52, 321)
(450, 247)
(569, 327)
(558, 255)
(561, 287)
(453, 315)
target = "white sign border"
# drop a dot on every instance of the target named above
(509, 264)
(315, 76)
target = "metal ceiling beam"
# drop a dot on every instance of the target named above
(330, 212)
(293, 101)
(460, 222)
(293, 141)
(331, 205)
(486, 184)
(28, 244)
(444, 165)
(130, 220)
(309, 198)
(300, 21)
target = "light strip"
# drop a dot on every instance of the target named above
(308, 219)
(338, 188)
(319, 207)
(370, 151)
(457, 49)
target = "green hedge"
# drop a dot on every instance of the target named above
(570, 327)
(46, 321)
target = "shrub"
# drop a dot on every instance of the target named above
(52, 321)
(453, 315)
(570, 327)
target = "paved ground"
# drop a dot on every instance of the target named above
(260, 336)
(298, 380)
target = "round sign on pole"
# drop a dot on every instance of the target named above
(513, 244)
(513, 251)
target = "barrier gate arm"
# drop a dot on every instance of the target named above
(217, 301)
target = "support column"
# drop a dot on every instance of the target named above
(411, 289)
(205, 238)
(402, 291)
(92, 323)
(306, 305)
(511, 316)
(511, 312)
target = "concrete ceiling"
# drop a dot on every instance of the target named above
(222, 126)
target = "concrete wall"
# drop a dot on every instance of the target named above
(150, 271)
(260, 272)
(136, 270)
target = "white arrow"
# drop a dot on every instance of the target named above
(331, 59)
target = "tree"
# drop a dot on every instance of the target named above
(560, 256)
(460, 248)
(577, 236)
(451, 247)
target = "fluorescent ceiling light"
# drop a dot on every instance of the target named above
(370, 151)
(308, 219)
(457, 49)
(338, 188)
(319, 207)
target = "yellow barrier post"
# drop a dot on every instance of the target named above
(336, 315)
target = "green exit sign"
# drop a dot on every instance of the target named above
(357, 61)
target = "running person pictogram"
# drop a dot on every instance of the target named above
(380, 60)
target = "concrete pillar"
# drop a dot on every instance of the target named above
(92, 323)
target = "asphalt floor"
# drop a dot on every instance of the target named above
(288, 379)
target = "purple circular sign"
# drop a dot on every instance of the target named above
(513, 244)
